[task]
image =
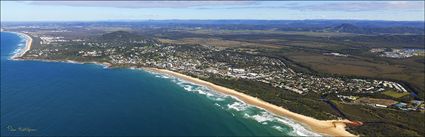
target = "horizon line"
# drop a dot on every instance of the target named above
(136, 20)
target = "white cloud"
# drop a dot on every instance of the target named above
(142, 4)
(336, 5)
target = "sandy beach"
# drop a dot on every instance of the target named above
(28, 42)
(324, 127)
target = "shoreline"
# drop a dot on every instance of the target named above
(323, 127)
(22, 51)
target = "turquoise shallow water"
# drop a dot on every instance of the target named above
(58, 99)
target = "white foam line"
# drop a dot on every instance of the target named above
(299, 129)
(21, 50)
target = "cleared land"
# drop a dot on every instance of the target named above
(395, 94)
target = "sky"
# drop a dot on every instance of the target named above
(163, 10)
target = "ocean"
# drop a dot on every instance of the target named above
(64, 99)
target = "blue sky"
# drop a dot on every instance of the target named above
(269, 10)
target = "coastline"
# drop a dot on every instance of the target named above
(324, 127)
(28, 44)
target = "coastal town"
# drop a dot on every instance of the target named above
(202, 61)
(398, 53)
(213, 68)
(206, 61)
(272, 78)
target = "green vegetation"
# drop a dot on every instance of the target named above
(311, 106)
(378, 121)
(384, 122)
(395, 94)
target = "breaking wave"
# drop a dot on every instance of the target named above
(239, 108)
(20, 46)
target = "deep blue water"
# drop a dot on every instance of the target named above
(58, 99)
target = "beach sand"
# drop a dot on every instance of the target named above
(324, 127)
(28, 43)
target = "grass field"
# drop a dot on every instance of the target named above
(395, 94)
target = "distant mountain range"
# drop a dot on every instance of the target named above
(350, 28)
(346, 26)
